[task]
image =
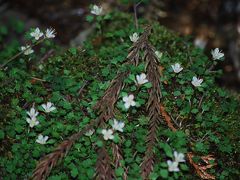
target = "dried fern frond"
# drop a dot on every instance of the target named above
(154, 113)
(103, 165)
(105, 106)
(200, 169)
(46, 164)
(167, 118)
(117, 157)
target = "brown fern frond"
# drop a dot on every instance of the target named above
(167, 118)
(105, 106)
(46, 164)
(117, 157)
(201, 169)
(154, 113)
(133, 55)
(103, 165)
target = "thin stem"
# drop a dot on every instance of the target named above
(212, 66)
(20, 53)
(135, 15)
(200, 102)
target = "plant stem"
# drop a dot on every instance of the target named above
(20, 53)
(135, 13)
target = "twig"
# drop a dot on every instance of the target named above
(47, 55)
(135, 13)
(20, 53)
(135, 16)
(38, 79)
(200, 102)
(83, 86)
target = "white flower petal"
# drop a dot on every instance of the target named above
(133, 103)
(176, 67)
(127, 105)
(179, 157)
(48, 107)
(129, 101)
(196, 82)
(158, 54)
(134, 37)
(172, 166)
(125, 98)
(217, 54)
(96, 10)
(50, 33)
(36, 33)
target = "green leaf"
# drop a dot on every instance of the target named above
(148, 85)
(74, 172)
(99, 143)
(167, 149)
(184, 167)
(153, 176)
(89, 18)
(177, 93)
(119, 171)
(194, 111)
(164, 173)
(2, 134)
(116, 138)
(73, 51)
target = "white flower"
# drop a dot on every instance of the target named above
(118, 125)
(200, 43)
(134, 37)
(158, 54)
(32, 122)
(107, 134)
(172, 166)
(32, 113)
(196, 82)
(50, 33)
(89, 132)
(27, 50)
(97, 10)
(177, 68)
(179, 157)
(42, 139)
(36, 33)
(216, 54)
(141, 79)
(48, 107)
(129, 101)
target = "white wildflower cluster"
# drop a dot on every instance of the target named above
(32, 119)
(97, 10)
(173, 165)
(116, 126)
(128, 102)
(197, 82)
(134, 37)
(217, 54)
(37, 34)
(129, 99)
(177, 68)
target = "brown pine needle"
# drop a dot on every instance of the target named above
(167, 118)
